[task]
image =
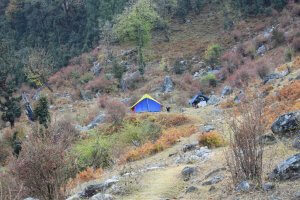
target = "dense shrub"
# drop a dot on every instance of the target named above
(210, 79)
(138, 134)
(288, 54)
(212, 54)
(244, 157)
(86, 77)
(278, 37)
(211, 140)
(262, 71)
(296, 44)
(93, 152)
(101, 84)
(290, 92)
(115, 111)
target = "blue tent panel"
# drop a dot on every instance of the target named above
(147, 105)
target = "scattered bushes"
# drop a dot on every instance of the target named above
(168, 138)
(211, 140)
(212, 54)
(244, 157)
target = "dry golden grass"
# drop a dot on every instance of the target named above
(169, 137)
(211, 139)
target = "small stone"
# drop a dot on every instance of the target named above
(208, 128)
(101, 196)
(244, 186)
(214, 180)
(191, 189)
(268, 186)
(189, 147)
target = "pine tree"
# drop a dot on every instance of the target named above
(41, 112)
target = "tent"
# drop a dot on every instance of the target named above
(198, 98)
(146, 104)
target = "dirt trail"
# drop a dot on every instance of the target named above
(166, 183)
(160, 184)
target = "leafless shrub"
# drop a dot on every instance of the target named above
(115, 111)
(44, 165)
(9, 188)
(244, 157)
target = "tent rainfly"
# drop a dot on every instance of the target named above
(146, 104)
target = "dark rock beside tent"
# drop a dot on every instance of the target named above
(288, 169)
(288, 123)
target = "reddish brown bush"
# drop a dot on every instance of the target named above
(115, 112)
(245, 153)
(259, 26)
(188, 78)
(262, 71)
(231, 60)
(237, 34)
(101, 84)
(102, 101)
(296, 43)
(43, 166)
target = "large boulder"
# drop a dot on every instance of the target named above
(168, 85)
(288, 123)
(261, 50)
(288, 169)
(213, 100)
(129, 80)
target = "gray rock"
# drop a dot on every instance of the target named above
(207, 128)
(212, 188)
(213, 180)
(227, 90)
(296, 142)
(298, 77)
(268, 139)
(101, 196)
(96, 121)
(86, 95)
(268, 186)
(203, 152)
(168, 85)
(213, 100)
(187, 172)
(288, 169)
(244, 186)
(189, 147)
(271, 77)
(96, 69)
(287, 124)
(297, 196)
(93, 189)
(74, 197)
(261, 50)
(191, 189)
(129, 80)
(30, 198)
(214, 172)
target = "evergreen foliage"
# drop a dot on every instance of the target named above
(41, 112)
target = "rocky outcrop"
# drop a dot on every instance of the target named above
(101, 196)
(96, 69)
(94, 189)
(168, 85)
(213, 100)
(288, 169)
(129, 80)
(261, 50)
(96, 121)
(213, 180)
(287, 124)
(271, 77)
(268, 186)
(267, 139)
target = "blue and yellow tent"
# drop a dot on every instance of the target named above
(146, 104)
